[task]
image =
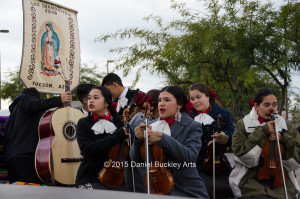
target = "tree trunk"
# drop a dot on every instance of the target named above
(280, 108)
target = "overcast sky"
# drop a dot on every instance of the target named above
(95, 17)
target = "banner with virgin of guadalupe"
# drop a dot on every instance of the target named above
(51, 51)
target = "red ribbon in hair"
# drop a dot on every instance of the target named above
(189, 106)
(213, 94)
(114, 105)
(251, 103)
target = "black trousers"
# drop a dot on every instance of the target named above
(22, 169)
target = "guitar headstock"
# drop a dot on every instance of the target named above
(65, 75)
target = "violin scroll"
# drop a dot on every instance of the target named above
(147, 108)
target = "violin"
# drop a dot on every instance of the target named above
(216, 153)
(112, 174)
(159, 180)
(270, 162)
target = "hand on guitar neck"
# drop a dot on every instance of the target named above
(66, 97)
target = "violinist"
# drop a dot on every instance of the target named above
(206, 111)
(96, 134)
(180, 137)
(138, 116)
(250, 136)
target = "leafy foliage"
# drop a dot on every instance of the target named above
(236, 47)
(12, 87)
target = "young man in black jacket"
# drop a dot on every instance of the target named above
(21, 137)
(122, 95)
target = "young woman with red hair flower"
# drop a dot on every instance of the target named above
(206, 112)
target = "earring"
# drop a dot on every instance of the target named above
(178, 116)
(106, 112)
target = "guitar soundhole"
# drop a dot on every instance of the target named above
(69, 131)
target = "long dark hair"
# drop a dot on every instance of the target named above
(179, 95)
(154, 93)
(107, 96)
(259, 96)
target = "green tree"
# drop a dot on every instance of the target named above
(89, 74)
(277, 50)
(11, 87)
(220, 49)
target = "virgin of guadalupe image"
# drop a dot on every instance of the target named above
(50, 63)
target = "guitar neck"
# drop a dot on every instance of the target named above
(67, 89)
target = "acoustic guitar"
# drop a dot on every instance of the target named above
(57, 157)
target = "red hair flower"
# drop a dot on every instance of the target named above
(114, 105)
(213, 94)
(141, 98)
(150, 101)
(189, 106)
(251, 103)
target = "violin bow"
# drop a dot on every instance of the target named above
(126, 125)
(219, 124)
(147, 114)
(280, 158)
(214, 167)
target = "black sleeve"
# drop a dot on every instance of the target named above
(31, 104)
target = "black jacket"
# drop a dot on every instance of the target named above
(21, 137)
(130, 95)
(94, 148)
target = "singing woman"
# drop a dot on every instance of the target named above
(180, 137)
(206, 112)
(249, 137)
(96, 134)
